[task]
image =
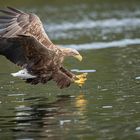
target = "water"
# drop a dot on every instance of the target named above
(107, 107)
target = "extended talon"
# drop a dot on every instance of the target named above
(80, 82)
(83, 75)
(80, 79)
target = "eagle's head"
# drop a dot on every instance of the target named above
(71, 52)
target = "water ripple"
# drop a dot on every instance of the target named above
(100, 45)
(88, 24)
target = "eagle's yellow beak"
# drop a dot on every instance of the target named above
(79, 57)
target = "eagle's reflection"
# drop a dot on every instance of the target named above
(81, 103)
(47, 119)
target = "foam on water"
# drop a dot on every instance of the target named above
(88, 24)
(100, 45)
(122, 32)
(102, 29)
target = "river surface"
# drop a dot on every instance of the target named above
(107, 107)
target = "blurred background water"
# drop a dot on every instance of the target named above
(107, 34)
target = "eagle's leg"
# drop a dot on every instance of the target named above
(80, 79)
(77, 79)
(67, 72)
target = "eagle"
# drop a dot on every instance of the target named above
(24, 42)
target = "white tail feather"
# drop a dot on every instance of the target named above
(23, 74)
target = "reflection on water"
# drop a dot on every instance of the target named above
(81, 103)
(44, 119)
(37, 117)
(41, 119)
(29, 118)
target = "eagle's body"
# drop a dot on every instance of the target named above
(24, 42)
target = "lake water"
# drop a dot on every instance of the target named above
(107, 107)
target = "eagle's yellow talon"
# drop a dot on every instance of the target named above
(80, 79)
(83, 75)
(79, 82)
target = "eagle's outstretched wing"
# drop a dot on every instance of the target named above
(24, 42)
(14, 22)
(22, 48)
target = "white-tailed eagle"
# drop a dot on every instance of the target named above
(24, 42)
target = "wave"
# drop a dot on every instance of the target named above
(100, 45)
(88, 24)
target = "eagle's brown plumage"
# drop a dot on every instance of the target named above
(24, 42)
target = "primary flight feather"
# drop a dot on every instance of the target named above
(24, 42)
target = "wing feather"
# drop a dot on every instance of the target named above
(29, 24)
(4, 20)
(12, 51)
(8, 12)
(6, 25)
(15, 10)
(7, 17)
(11, 32)
(22, 49)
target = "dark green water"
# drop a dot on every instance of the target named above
(107, 107)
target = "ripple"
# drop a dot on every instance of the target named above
(138, 128)
(107, 106)
(23, 108)
(62, 122)
(88, 24)
(100, 45)
(137, 78)
(17, 94)
(26, 139)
